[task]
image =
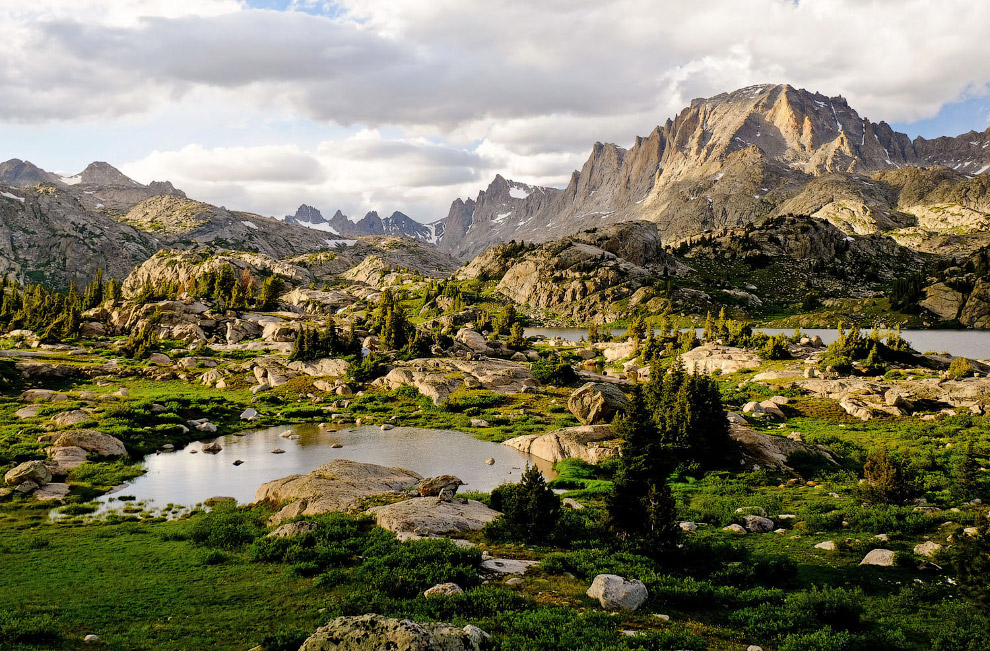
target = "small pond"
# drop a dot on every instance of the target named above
(184, 478)
(974, 344)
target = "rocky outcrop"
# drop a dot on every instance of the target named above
(373, 632)
(570, 442)
(976, 312)
(430, 517)
(943, 301)
(340, 485)
(596, 402)
(438, 378)
(773, 451)
(712, 357)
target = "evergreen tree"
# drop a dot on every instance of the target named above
(530, 510)
(888, 479)
(640, 507)
(93, 295)
(267, 298)
(965, 475)
(971, 562)
(517, 340)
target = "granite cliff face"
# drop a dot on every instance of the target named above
(727, 161)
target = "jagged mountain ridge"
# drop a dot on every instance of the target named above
(722, 162)
(56, 229)
(398, 224)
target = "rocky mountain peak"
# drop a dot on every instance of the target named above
(307, 214)
(21, 174)
(105, 174)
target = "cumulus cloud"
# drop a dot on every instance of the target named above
(461, 88)
(358, 174)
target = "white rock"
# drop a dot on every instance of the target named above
(617, 593)
(881, 557)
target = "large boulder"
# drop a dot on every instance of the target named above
(614, 592)
(881, 557)
(438, 378)
(710, 358)
(445, 485)
(428, 516)
(340, 485)
(29, 471)
(71, 418)
(942, 301)
(374, 632)
(91, 441)
(774, 451)
(576, 442)
(474, 340)
(596, 402)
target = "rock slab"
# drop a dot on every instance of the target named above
(374, 632)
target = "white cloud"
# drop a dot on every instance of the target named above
(449, 91)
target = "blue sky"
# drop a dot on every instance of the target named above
(408, 104)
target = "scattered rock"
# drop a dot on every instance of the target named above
(881, 557)
(506, 565)
(479, 422)
(292, 529)
(758, 524)
(736, 529)
(213, 447)
(91, 639)
(367, 632)
(443, 590)
(828, 546)
(278, 451)
(250, 414)
(614, 592)
(55, 491)
(927, 548)
(238, 462)
(29, 471)
(490, 461)
(571, 503)
(688, 526)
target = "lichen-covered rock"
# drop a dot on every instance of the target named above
(340, 485)
(443, 485)
(427, 516)
(443, 590)
(881, 557)
(757, 524)
(615, 593)
(374, 633)
(29, 471)
(710, 358)
(596, 402)
(438, 378)
(568, 442)
(91, 441)
(292, 529)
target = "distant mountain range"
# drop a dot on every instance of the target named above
(57, 230)
(371, 224)
(725, 162)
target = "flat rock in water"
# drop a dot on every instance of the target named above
(340, 485)
(427, 516)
